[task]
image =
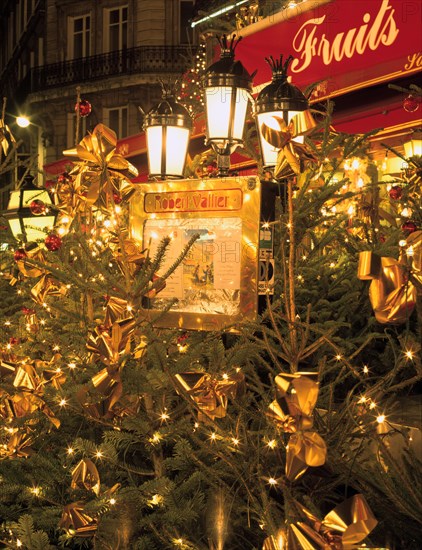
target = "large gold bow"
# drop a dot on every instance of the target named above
(297, 395)
(102, 172)
(211, 395)
(346, 525)
(292, 156)
(395, 283)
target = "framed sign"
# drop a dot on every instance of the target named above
(216, 285)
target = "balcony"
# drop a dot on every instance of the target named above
(131, 61)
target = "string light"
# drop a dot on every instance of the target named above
(70, 451)
(272, 444)
(409, 354)
(365, 369)
(99, 454)
(381, 418)
(62, 402)
(272, 481)
(112, 501)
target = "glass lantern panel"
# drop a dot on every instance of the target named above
(176, 148)
(218, 109)
(154, 148)
(37, 227)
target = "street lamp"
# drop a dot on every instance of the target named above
(413, 147)
(227, 86)
(29, 212)
(276, 105)
(168, 127)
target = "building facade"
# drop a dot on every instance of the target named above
(112, 52)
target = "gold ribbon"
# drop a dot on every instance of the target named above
(395, 283)
(292, 156)
(346, 525)
(76, 521)
(85, 476)
(209, 394)
(6, 137)
(28, 269)
(297, 395)
(18, 445)
(101, 171)
(110, 344)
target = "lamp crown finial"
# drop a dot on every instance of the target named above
(278, 68)
(228, 45)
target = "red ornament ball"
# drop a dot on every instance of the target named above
(64, 178)
(28, 311)
(53, 242)
(84, 107)
(395, 192)
(411, 104)
(13, 341)
(19, 254)
(409, 227)
(37, 207)
(117, 198)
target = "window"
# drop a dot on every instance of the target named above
(71, 130)
(186, 14)
(116, 119)
(115, 31)
(79, 33)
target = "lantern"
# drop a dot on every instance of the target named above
(29, 212)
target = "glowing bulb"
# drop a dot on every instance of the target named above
(365, 369)
(164, 416)
(156, 438)
(409, 354)
(70, 451)
(99, 454)
(272, 481)
(372, 405)
(355, 164)
(72, 365)
(112, 501)
(35, 491)
(62, 402)
(272, 444)
(18, 543)
(56, 348)
(410, 252)
(213, 436)
(338, 357)
(381, 418)
(235, 441)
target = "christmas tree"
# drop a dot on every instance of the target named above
(117, 434)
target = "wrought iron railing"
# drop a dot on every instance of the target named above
(139, 60)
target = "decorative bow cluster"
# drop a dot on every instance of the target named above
(29, 380)
(101, 173)
(395, 283)
(292, 156)
(211, 395)
(297, 395)
(346, 525)
(74, 519)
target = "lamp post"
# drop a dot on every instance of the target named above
(227, 86)
(30, 212)
(276, 105)
(168, 127)
(413, 147)
(25, 122)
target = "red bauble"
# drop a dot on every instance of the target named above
(13, 341)
(19, 254)
(53, 242)
(84, 107)
(409, 226)
(411, 104)
(395, 192)
(37, 207)
(117, 198)
(64, 178)
(28, 311)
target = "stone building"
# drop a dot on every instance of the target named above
(113, 51)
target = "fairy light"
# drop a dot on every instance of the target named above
(72, 365)
(409, 354)
(339, 357)
(235, 441)
(372, 405)
(112, 501)
(156, 500)
(225, 376)
(410, 252)
(213, 436)
(56, 348)
(7, 323)
(381, 418)
(70, 450)
(62, 402)
(362, 400)
(156, 438)
(300, 278)
(18, 543)
(35, 491)
(99, 454)
(365, 369)
(272, 481)
(164, 416)
(129, 307)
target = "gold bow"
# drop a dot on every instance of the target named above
(346, 525)
(395, 283)
(102, 172)
(18, 445)
(209, 394)
(76, 521)
(297, 395)
(6, 137)
(109, 345)
(85, 476)
(292, 156)
(28, 269)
